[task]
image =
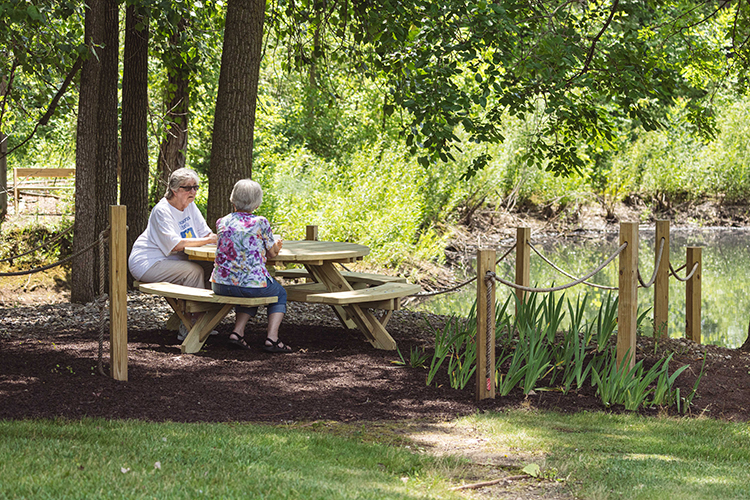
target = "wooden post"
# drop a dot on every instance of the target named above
(661, 286)
(118, 293)
(311, 234)
(485, 374)
(523, 261)
(693, 296)
(627, 311)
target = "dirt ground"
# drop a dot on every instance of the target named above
(333, 375)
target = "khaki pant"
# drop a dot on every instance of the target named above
(196, 274)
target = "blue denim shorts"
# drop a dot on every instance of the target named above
(274, 289)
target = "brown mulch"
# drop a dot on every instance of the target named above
(51, 371)
(332, 375)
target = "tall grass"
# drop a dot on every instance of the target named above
(533, 352)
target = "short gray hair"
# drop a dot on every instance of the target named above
(247, 195)
(177, 178)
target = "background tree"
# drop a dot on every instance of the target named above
(135, 168)
(234, 121)
(96, 145)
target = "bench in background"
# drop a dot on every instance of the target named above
(41, 179)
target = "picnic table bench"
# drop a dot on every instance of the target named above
(185, 300)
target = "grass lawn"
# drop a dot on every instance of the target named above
(595, 455)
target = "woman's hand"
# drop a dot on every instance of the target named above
(276, 248)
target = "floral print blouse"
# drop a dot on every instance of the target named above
(241, 250)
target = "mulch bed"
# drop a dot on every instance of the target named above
(332, 375)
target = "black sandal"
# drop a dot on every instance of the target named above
(239, 342)
(276, 346)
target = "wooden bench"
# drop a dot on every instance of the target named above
(351, 277)
(385, 296)
(36, 179)
(185, 300)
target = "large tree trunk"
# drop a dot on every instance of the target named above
(82, 279)
(96, 144)
(234, 121)
(177, 101)
(135, 172)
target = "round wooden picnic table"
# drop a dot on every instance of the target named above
(330, 286)
(303, 252)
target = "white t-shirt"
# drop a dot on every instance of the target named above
(166, 227)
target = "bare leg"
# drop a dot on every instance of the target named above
(274, 322)
(240, 321)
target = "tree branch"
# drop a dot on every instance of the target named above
(592, 49)
(53, 103)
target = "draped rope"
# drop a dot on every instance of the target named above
(552, 264)
(568, 285)
(686, 278)
(656, 267)
(43, 245)
(460, 285)
(55, 264)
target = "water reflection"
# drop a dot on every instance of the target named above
(725, 305)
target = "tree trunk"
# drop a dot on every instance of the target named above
(3, 160)
(96, 144)
(82, 279)
(746, 345)
(177, 101)
(135, 171)
(234, 121)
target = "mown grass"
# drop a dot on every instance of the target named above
(129, 459)
(608, 456)
(595, 455)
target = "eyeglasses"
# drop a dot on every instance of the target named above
(190, 188)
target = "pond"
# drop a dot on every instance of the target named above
(725, 303)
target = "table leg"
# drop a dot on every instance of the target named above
(334, 282)
(353, 314)
(371, 327)
(179, 308)
(199, 332)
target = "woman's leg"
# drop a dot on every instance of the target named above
(274, 322)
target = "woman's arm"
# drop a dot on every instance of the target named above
(194, 242)
(275, 249)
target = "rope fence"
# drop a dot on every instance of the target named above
(101, 299)
(630, 280)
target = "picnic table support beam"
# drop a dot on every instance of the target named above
(118, 292)
(661, 285)
(485, 338)
(627, 307)
(693, 295)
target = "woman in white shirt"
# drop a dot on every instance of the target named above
(174, 223)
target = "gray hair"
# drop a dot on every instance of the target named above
(177, 178)
(247, 195)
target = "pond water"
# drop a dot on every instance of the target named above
(725, 302)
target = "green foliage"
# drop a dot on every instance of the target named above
(534, 352)
(377, 200)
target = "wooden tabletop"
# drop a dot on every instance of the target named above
(305, 251)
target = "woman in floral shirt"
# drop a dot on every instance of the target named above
(244, 243)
